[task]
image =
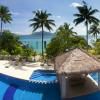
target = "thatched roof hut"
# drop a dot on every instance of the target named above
(76, 61)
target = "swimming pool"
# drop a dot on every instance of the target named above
(47, 76)
(16, 89)
(95, 76)
(50, 76)
(92, 96)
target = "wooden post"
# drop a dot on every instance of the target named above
(63, 86)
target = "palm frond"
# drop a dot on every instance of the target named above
(85, 14)
(5, 14)
(41, 18)
(84, 3)
(78, 20)
(78, 15)
(93, 11)
(48, 27)
(94, 19)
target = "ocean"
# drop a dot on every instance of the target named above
(34, 41)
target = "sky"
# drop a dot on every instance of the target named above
(62, 11)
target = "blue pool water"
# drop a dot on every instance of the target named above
(92, 96)
(42, 75)
(16, 89)
(95, 76)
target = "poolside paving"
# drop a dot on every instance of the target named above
(22, 71)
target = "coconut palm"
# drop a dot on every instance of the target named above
(65, 32)
(95, 30)
(68, 29)
(41, 20)
(86, 15)
(5, 15)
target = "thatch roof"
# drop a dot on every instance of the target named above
(76, 61)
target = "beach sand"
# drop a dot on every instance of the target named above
(22, 71)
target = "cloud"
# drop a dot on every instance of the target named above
(75, 4)
(56, 17)
(15, 13)
(39, 9)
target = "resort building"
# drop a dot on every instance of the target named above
(34, 40)
(73, 70)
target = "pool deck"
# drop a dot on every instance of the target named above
(19, 71)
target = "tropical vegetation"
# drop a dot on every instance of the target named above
(41, 20)
(95, 30)
(9, 42)
(5, 16)
(64, 40)
(85, 14)
(96, 47)
(11, 45)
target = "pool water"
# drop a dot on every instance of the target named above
(92, 96)
(95, 76)
(16, 89)
(44, 76)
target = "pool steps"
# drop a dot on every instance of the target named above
(39, 73)
(43, 82)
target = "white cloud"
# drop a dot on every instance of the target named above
(58, 16)
(15, 13)
(75, 4)
(39, 9)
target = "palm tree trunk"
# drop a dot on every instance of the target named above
(42, 43)
(1, 27)
(96, 37)
(87, 35)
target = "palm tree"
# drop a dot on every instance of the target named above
(94, 30)
(41, 20)
(5, 16)
(86, 15)
(66, 32)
